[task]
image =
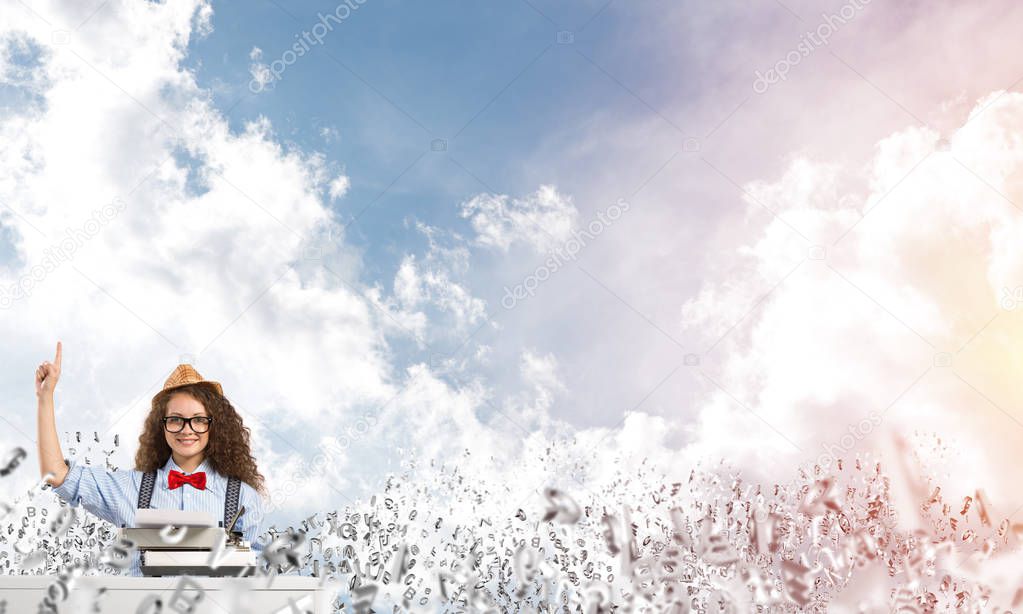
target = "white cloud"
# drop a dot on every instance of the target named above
(915, 283)
(429, 294)
(541, 371)
(416, 285)
(530, 408)
(329, 133)
(294, 344)
(542, 220)
(339, 187)
(261, 75)
(226, 250)
(408, 287)
(222, 274)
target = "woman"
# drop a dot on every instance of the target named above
(193, 455)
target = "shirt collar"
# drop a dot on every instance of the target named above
(170, 464)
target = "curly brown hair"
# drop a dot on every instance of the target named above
(228, 449)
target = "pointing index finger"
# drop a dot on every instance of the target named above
(56, 361)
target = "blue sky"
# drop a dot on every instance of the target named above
(394, 77)
(491, 80)
(816, 253)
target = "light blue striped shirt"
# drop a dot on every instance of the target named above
(114, 496)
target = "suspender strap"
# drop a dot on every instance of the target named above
(146, 489)
(145, 496)
(234, 486)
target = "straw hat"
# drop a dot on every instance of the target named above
(185, 375)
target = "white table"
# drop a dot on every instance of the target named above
(125, 594)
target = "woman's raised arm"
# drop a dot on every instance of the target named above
(51, 458)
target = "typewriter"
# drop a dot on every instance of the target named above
(177, 543)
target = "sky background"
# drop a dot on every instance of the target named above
(331, 236)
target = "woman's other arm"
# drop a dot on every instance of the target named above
(51, 458)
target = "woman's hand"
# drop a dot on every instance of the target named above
(47, 375)
(51, 459)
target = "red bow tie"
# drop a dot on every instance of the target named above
(175, 479)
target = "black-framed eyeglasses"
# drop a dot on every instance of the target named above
(176, 424)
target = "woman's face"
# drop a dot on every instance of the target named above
(187, 443)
